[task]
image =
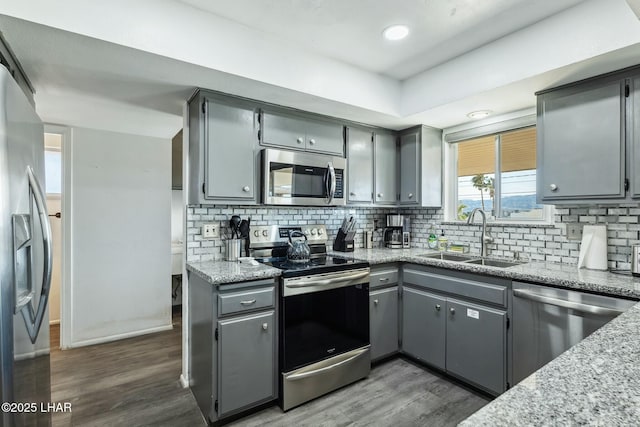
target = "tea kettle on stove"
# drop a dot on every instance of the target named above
(299, 250)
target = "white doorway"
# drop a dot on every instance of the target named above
(53, 150)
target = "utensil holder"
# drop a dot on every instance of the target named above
(233, 249)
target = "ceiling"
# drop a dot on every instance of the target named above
(350, 31)
(130, 67)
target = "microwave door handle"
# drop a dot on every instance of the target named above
(34, 320)
(332, 183)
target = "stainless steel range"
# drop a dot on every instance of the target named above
(323, 314)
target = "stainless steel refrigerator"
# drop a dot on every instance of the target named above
(25, 261)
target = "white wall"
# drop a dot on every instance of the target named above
(177, 216)
(120, 236)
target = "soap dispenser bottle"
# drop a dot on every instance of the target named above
(433, 238)
(442, 242)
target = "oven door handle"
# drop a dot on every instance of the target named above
(302, 375)
(326, 282)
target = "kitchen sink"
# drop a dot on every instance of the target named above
(494, 263)
(449, 257)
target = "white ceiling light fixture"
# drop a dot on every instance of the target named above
(396, 32)
(480, 114)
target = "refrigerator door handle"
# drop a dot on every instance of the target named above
(33, 319)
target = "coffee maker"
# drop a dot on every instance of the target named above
(396, 234)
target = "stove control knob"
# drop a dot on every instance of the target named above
(320, 232)
(265, 233)
(256, 233)
(313, 232)
(306, 232)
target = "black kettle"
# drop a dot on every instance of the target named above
(299, 250)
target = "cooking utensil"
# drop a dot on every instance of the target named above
(244, 234)
(235, 224)
(299, 250)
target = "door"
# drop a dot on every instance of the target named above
(581, 142)
(383, 315)
(423, 326)
(229, 144)
(325, 138)
(476, 344)
(283, 131)
(410, 168)
(25, 259)
(386, 169)
(53, 173)
(246, 364)
(360, 167)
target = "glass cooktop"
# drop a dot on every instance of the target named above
(324, 264)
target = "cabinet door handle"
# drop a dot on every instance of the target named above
(452, 310)
(312, 141)
(384, 279)
(249, 302)
(352, 193)
(375, 302)
(265, 326)
(380, 194)
(246, 188)
(411, 195)
(553, 187)
(299, 140)
(438, 307)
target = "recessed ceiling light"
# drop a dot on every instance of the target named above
(480, 114)
(396, 32)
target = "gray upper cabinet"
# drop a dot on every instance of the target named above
(386, 169)
(634, 137)
(300, 133)
(383, 315)
(410, 168)
(359, 166)
(230, 171)
(246, 361)
(223, 150)
(581, 142)
(423, 326)
(476, 344)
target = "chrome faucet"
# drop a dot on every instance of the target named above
(485, 238)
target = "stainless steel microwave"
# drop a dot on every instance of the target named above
(307, 179)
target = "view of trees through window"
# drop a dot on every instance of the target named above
(497, 173)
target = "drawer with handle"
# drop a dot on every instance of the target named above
(384, 277)
(234, 302)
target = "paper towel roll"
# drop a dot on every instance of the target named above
(593, 249)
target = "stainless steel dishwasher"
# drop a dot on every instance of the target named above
(547, 321)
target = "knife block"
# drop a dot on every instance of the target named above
(344, 241)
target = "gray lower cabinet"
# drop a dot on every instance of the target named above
(581, 142)
(423, 326)
(288, 130)
(446, 324)
(233, 346)
(476, 344)
(246, 360)
(359, 166)
(386, 169)
(383, 316)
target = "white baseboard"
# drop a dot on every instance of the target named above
(110, 338)
(184, 382)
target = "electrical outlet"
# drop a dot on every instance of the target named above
(574, 231)
(210, 231)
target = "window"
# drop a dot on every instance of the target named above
(497, 173)
(53, 171)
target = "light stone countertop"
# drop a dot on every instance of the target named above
(219, 272)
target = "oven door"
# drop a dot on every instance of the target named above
(323, 315)
(293, 178)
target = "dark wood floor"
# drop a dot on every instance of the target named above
(134, 382)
